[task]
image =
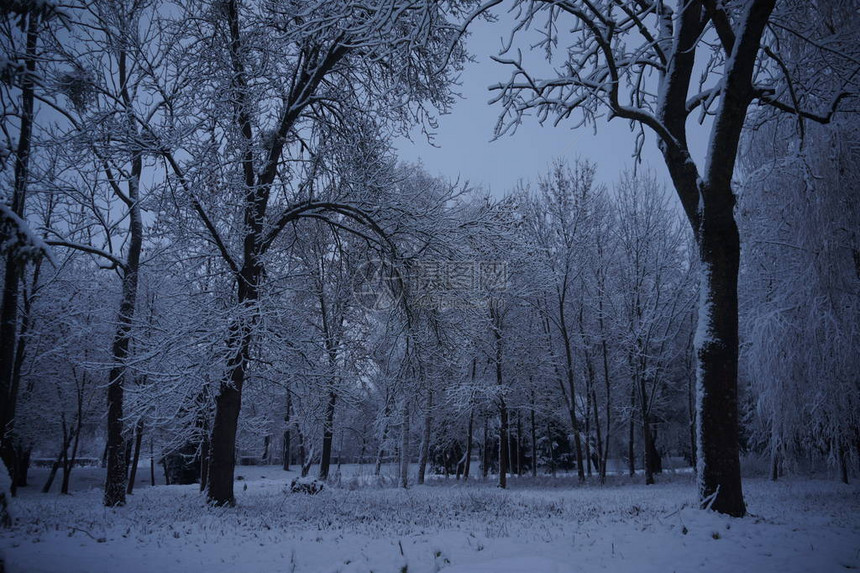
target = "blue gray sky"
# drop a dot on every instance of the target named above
(464, 145)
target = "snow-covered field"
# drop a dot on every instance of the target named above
(542, 525)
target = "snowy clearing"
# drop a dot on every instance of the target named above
(539, 525)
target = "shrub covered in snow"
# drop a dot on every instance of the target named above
(308, 485)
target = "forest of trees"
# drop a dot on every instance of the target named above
(212, 255)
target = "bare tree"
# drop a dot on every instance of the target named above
(636, 60)
(22, 27)
(330, 62)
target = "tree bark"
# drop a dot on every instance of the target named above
(774, 464)
(485, 453)
(424, 453)
(380, 454)
(519, 445)
(574, 422)
(69, 462)
(135, 458)
(496, 325)
(691, 407)
(469, 440)
(404, 447)
(587, 440)
(151, 461)
(717, 363)
(12, 272)
(204, 463)
(647, 443)
(115, 484)
(328, 436)
(631, 452)
(598, 434)
(54, 467)
(286, 444)
(843, 462)
(503, 444)
(604, 351)
(709, 203)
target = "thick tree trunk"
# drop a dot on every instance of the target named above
(222, 445)
(691, 407)
(424, 453)
(228, 403)
(708, 202)
(717, 362)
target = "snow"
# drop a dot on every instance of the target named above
(543, 525)
(17, 236)
(701, 338)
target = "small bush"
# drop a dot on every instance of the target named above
(310, 486)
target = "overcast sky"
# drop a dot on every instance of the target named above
(464, 147)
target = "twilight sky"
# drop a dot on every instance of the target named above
(463, 140)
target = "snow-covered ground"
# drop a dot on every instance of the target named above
(542, 525)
